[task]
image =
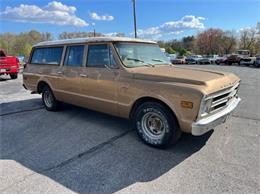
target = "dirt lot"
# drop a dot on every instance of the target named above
(81, 151)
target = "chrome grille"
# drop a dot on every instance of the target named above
(222, 99)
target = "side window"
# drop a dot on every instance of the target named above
(99, 56)
(74, 56)
(50, 55)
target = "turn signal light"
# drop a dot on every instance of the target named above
(186, 104)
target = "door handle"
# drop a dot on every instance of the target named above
(83, 75)
(59, 72)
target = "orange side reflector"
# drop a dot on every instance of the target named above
(186, 104)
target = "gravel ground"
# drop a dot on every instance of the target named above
(81, 151)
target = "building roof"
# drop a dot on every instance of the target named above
(92, 39)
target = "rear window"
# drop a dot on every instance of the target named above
(2, 53)
(51, 55)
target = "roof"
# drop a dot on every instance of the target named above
(93, 39)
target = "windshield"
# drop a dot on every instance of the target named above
(243, 52)
(141, 54)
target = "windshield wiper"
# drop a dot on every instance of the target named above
(157, 60)
(139, 60)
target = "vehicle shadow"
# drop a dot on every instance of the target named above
(86, 151)
(4, 79)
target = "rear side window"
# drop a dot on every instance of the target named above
(74, 56)
(50, 55)
(2, 53)
(99, 56)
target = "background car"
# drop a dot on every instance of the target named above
(257, 62)
(179, 60)
(203, 60)
(193, 59)
(240, 57)
(213, 58)
(21, 59)
(221, 60)
(233, 59)
(247, 61)
(9, 65)
(170, 56)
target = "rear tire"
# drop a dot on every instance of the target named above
(156, 125)
(14, 76)
(48, 99)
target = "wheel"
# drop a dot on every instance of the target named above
(230, 63)
(217, 62)
(48, 99)
(156, 125)
(14, 76)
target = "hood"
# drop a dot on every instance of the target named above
(208, 80)
(253, 58)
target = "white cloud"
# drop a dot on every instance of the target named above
(58, 6)
(247, 29)
(188, 22)
(54, 13)
(250, 31)
(95, 16)
(113, 34)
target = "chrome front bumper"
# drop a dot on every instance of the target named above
(206, 124)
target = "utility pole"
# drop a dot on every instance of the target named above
(134, 18)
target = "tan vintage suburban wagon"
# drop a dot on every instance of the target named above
(131, 78)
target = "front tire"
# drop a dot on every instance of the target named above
(156, 125)
(14, 76)
(48, 99)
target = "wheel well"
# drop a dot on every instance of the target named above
(40, 86)
(149, 99)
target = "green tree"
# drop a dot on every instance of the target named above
(170, 50)
(21, 44)
(188, 43)
(182, 52)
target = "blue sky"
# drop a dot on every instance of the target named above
(156, 19)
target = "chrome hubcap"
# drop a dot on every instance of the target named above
(153, 125)
(48, 99)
